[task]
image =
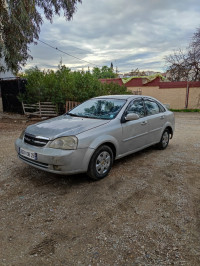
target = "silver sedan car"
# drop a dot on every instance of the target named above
(94, 134)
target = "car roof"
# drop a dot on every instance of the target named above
(121, 97)
(126, 97)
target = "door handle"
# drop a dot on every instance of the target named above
(162, 117)
(144, 123)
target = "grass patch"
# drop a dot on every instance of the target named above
(186, 110)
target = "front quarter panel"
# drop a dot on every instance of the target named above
(111, 132)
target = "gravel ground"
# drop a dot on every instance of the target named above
(146, 212)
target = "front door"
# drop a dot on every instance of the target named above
(135, 132)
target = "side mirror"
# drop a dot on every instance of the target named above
(130, 117)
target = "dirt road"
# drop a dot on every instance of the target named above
(146, 212)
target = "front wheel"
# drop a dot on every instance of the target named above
(100, 163)
(164, 140)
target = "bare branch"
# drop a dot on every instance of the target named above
(185, 66)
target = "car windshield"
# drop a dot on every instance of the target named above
(98, 108)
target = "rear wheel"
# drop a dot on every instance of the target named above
(100, 163)
(164, 140)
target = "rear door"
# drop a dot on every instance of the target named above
(156, 118)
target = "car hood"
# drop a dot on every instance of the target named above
(64, 125)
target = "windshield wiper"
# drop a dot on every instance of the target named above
(72, 114)
(85, 116)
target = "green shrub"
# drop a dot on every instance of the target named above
(186, 110)
(63, 84)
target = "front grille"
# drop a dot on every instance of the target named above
(43, 165)
(35, 141)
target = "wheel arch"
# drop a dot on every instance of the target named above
(112, 146)
(94, 170)
(108, 140)
(169, 128)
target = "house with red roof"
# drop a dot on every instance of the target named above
(177, 95)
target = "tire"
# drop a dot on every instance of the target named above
(164, 141)
(100, 163)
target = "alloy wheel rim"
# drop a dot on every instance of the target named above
(103, 162)
(165, 139)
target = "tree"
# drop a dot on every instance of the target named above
(177, 66)
(185, 66)
(20, 23)
(196, 41)
(136, 72)
(64, 84)
(104, 72)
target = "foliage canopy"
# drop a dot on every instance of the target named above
(104, 72)
(63, 84)
(20, 23)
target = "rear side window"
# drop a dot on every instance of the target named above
(136, 107)
(152, 107)
(162, 109)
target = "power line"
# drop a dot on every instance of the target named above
(89, 52)
(67, 53)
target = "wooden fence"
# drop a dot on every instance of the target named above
(40, 109)
(70, 105)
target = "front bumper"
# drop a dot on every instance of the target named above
(56, 160)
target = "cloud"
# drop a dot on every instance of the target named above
(131, 34)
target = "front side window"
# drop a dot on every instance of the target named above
(98, 108)
(136, 107)
(152, 107)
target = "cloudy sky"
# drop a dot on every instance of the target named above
(129, 33)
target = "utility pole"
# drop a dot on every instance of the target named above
(187, 95)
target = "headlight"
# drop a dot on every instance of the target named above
(22, 134)
(64, 143)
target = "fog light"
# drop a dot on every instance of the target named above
(57, 167)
